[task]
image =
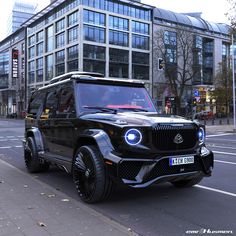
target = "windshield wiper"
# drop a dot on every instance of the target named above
(133, 109)
(102, 109)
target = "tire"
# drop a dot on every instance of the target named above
(186, 183)
(90, 176)
(32, 162)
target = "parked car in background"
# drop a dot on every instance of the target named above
(204, 115)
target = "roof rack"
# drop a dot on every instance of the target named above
(70, 74)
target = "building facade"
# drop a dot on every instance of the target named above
(20, 13)
(110, 37)
(204, 44)
(117, 38)
(12, 74)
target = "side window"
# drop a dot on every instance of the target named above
(36, 104)
(51, 104)
(66, 107)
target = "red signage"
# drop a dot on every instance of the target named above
(15, 54)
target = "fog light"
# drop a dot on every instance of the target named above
(133, 137)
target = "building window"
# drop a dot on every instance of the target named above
(31, 73)
(49, 39)
(140, 42)
(73, 18)
(31, 52)
(60, 40)
(140, 28)
(60, 25)
(72, 58)
(198, 42)
(170, 38)
(94, 58)
(39, 70)
(95, 18)
(171, 56)
(49, 67)
(119, 38)
(60, 62)
(23, 48)
(73, 34)
(39, 36)
(31, 40)
(39, 49)
(119, 63)
(140, 65)
(94, 34)
(118, 23)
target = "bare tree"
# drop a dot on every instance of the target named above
(177, 53)
(223, 88)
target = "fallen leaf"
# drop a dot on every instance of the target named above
(65, 200)
(51, 195)
(42, 193)
(25, 186)
(41, 224)
(1, 181)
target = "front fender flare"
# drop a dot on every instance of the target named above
(36, 134)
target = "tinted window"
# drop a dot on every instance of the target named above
(36, 104)
(66, 108)
(51, 103)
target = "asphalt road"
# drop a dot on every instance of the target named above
(160, 209)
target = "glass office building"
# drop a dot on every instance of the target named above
(20, 13)
(110, 37)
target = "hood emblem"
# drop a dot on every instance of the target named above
(178, 139)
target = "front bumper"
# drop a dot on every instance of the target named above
(144, 172)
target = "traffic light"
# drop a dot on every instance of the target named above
(161, 64)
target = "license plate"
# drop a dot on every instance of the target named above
(176, 161)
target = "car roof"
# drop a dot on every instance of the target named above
(91, 78)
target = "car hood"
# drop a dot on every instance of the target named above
(134, 118)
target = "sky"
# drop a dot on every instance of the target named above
(212, 10)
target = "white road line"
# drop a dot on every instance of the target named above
(19, 146)
(225, 162)
(217, 135)
(10, 136)
(215, 146)
(225, 153)
(216, 190)
(5, 147)
(3, 140)
(13, 139)
(20, 136)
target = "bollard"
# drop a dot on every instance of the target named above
(204, 121)
(227, 121)
(220, 122)
(213, 121)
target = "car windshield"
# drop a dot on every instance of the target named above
(97, 97)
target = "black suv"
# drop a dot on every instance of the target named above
(107, 131)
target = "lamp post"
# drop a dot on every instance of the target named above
(233, 77)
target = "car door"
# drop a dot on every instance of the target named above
(63, 123)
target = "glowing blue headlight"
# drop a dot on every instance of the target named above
(201, 135)
(133, 137)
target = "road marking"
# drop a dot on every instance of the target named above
(215, 146)
(225, 153)
(225, 162)
(221, 139)
(13, 139)
(217, 135)
(7, 147)
(216, 190)
(10, 136)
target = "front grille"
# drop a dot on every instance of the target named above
(163, 136)
(163, 168)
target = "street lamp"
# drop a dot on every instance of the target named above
(233, 77)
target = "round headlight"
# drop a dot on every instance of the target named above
(133, 137)
(201, 135)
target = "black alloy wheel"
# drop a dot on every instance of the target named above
(90, 176)
(32, 161)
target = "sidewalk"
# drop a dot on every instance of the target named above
(29, 207)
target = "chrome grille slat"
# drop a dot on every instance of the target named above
(163, 136)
